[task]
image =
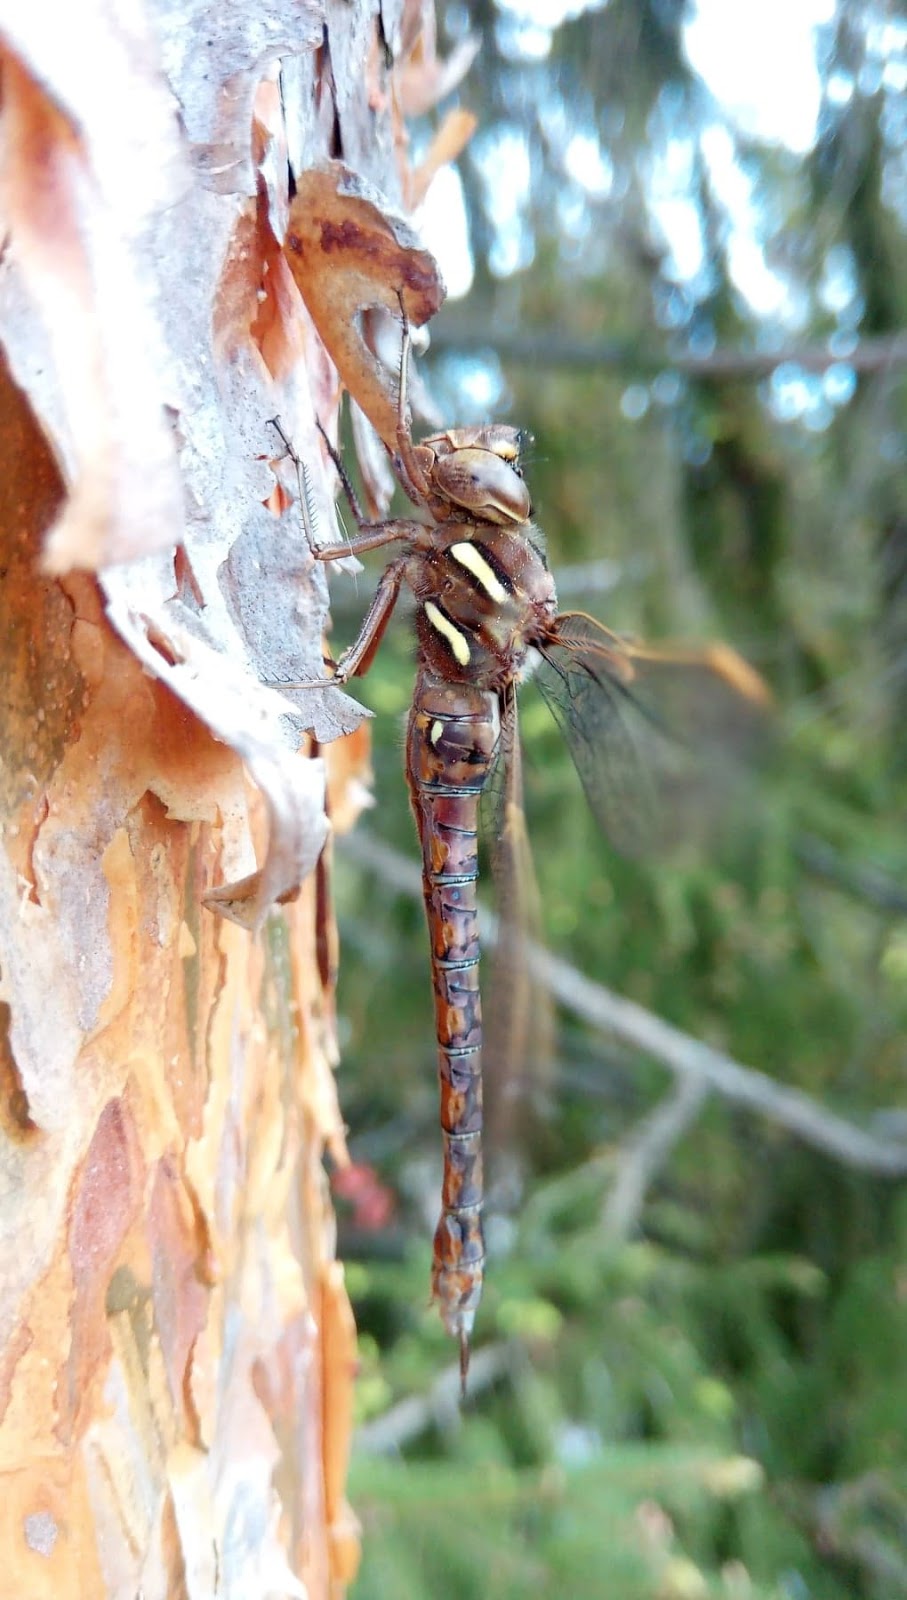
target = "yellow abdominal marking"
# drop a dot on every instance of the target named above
(458, 642)
(435, 732)
(474, 562)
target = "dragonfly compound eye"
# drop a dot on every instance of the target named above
(482, 482)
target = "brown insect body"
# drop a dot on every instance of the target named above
(484, 598)
(480, 609)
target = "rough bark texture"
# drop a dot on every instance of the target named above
(176, 1346)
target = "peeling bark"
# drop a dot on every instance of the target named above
(176, 1345)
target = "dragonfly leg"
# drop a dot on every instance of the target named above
(371, 535)
(406, 462)
(361, 519)
(358, 657)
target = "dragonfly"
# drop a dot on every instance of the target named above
(485, 609)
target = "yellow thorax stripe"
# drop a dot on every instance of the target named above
(473, 560)
(458, 642)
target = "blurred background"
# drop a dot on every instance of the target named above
(677, 254)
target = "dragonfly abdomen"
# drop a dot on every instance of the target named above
(451, 746)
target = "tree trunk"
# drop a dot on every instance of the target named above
(176, 1345)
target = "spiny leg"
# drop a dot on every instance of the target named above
(406, 462)
(302, 476)
(361, 519)
(358, 657)
(371, 536)
(302, 481)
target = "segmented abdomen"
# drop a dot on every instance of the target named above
(451, 744)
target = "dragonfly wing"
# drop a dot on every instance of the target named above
(652, 732)
(612, 748)
(518, 1019)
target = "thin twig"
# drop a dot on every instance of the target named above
(864, 883)
(440, 1406)
(558, 350)
(643, 1155)
(685, 1056)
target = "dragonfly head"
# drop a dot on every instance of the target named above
(477, 471)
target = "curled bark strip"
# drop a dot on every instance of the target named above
(248, 717)
(99, 381)
(348, 252)
(297, 827)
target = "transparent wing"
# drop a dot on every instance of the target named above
(653, 733)
(518, 1018)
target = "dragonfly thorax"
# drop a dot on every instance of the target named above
(485, 597)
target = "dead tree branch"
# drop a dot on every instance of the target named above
(440, 1407)
(546, 350)
(646, 1152)
(864, 883)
